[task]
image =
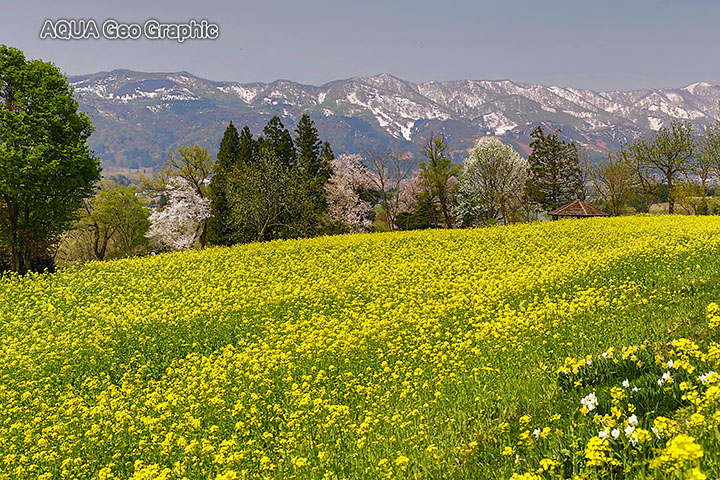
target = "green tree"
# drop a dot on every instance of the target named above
(278, 139)
(614, 182)
(435, 173)
(308, 145)
(219, 228)
(706, 163)
(112, 224)
(117, 215)
(660, 162)
(46, 166)
(247, 146)
(307, 204)
(258, 194)
(555, 176)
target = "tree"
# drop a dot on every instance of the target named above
(706, 163)
(436, 171)
(46, 167)
(179, 225)
(690, 196)
(555, 177)
(348, 211)
(491, 183)
(247, 146)
(194, 165)
(660, 162)
(112, 224)
(421, 211)
(117, 222)
(277, 139)
(614, 182)
(258, 196)
(585, 164)
(121, 213)
(387, 171)
(308, 146)
(307, 204)
(228, 156)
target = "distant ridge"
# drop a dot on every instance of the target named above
(140, 115)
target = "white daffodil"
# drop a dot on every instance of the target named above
(590, 402)
(704, 377)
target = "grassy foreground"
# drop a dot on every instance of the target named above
(428, 354)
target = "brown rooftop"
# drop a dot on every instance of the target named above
(578, 208)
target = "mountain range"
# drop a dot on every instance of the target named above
(138, 116)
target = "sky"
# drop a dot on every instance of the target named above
(599, 45)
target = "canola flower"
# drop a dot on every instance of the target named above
(674, 430)
(360, 356)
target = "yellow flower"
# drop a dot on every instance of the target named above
(695, 474)
(548, 464)
(597, 452)
(402, 462)
(679, 450)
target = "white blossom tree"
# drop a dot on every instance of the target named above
(491, 183)
(346, 209)
(179, 225)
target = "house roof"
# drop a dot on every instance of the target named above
(578, 208)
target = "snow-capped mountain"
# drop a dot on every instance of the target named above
(139, 115)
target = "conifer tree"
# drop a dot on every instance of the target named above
(309, 204)
(247, 148)
(308, 146)
(326, 158)
(228, 156)
(555, 177)
(277, 138)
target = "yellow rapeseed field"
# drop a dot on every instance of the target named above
(363, 356)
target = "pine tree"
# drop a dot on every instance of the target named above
(555, 177)
(247, 148)
(308, 146)
(277, 138)
(220, 229)
(309, 204)
(326, 158)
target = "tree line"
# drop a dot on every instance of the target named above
(54, 206)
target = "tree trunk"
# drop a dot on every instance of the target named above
(203, 234)
(17, 247)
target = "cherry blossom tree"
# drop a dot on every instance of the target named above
(347, 210)
(179, 225)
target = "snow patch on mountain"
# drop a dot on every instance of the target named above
(247, 95)
(655, 123)
(499, 122)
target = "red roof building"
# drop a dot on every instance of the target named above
(577, 209)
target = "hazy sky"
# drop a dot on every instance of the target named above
(602, 45)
